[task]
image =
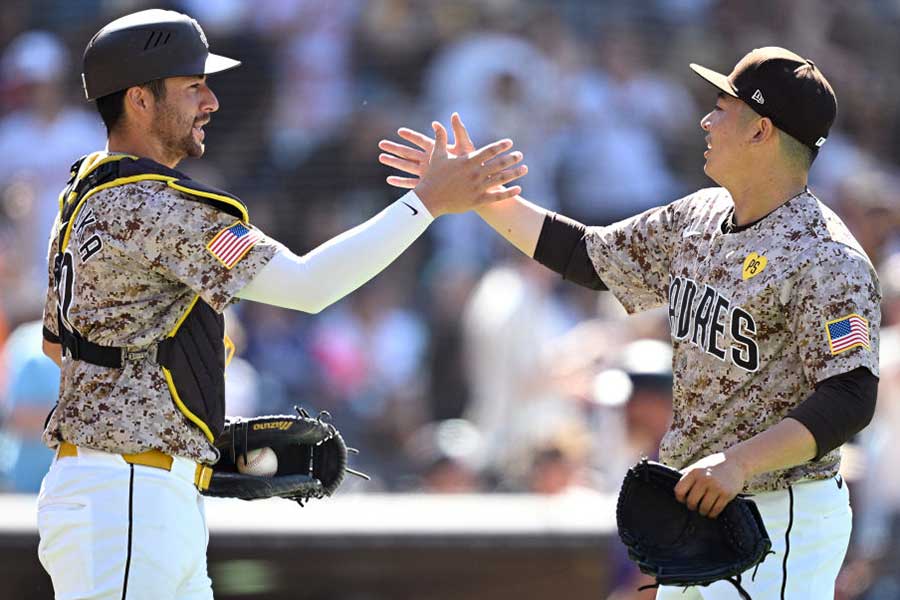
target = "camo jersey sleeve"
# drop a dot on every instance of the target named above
(835, 312)
(633, 256)
(208, 250)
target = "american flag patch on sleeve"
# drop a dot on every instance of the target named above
(847, 332)
(232, 243)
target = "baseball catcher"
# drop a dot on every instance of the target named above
(143, 261)
(312, 458)
(678, 546)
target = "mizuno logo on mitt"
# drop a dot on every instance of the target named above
(282, 425)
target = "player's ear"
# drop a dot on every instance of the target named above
(138, 101)
(134, 96)
(763, 130)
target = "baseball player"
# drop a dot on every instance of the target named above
(143, 260)
(773, 307)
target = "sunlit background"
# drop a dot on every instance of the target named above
(495, 407)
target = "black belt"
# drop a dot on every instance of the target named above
(113, 357)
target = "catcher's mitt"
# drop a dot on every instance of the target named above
(312, 458)
(678, 546)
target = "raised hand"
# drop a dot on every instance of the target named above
(415, 160)
(423, 161)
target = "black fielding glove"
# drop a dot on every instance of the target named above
(312, 458)
(681, 547)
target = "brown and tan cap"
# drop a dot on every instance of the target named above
(783, 86)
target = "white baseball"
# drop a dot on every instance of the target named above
(261, 462)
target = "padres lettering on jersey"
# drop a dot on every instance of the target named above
(757, 317)
(712, 323)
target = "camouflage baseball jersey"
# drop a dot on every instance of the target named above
(142, 252)
(758, 316)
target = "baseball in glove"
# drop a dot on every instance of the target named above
(678, 546)
(312, 458)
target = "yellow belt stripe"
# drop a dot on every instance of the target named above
(150, 458)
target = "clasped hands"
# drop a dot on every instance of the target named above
(453, 178)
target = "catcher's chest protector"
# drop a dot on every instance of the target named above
(193, 362)
(192, 355)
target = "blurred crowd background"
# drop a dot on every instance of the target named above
(463, 367)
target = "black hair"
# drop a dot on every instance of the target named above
(112, 106)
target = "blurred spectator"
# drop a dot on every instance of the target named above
(31, 392)
(40, 137)
(869, 202)
(313, 94)
(502, 86)
(241, 378)
(277, 347)
(642, 388)
(507, 322)
(870, 571)
(339, 183)
(889, 273)
(623, 115)
(394, 42)
(559, 464)
(448, 456)
(448, 285)
(369, 351)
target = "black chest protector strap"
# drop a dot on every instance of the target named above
(192, 355)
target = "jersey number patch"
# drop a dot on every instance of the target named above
(64, 288)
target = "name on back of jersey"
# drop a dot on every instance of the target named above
(93, 244)
(701, 315)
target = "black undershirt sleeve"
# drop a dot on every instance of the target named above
(562, 247)
(840, 407)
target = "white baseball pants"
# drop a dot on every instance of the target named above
(809, 525)
(114, 531)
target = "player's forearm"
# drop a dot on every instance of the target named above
(786, 444)
(517, 220)
(311, 282)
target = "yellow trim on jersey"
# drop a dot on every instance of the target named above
(90, 163)
(100, 188)
(218, 197)
(852, 346)
(184, 409)
(88, 166)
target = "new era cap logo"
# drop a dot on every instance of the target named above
(200, 31)
(757, 95)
